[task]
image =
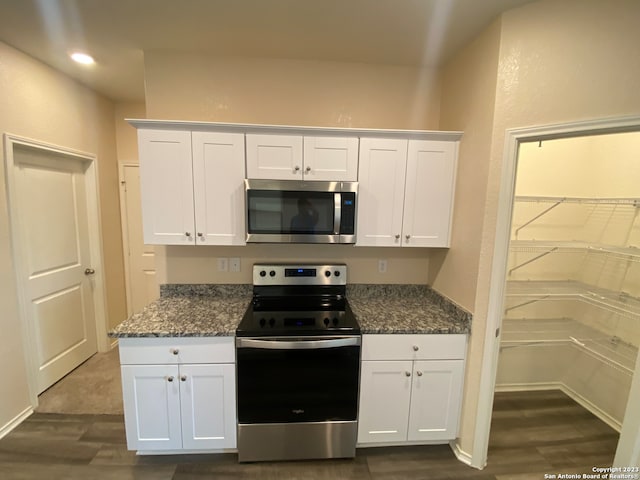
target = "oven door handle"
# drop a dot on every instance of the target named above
(297, 344)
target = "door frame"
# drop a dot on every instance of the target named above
(124, 223)
(628, 451)
(95, 243)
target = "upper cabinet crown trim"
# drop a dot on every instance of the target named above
(290, 129)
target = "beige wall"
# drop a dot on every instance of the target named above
(468, 98)
(290, 92)
(40, 103)
(126, 135)
(199, 264)
(558, 62)
(183, 86)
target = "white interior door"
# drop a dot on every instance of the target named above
(55, 269)
(142, 287)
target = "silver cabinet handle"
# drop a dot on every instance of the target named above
(183, 378)
(187, 234)
(407, 237)
(398, 236)
(170, 378)
(89, 271)
(296, 168)
(200, 234)
(416, 348)
(408, 374)
(419, 373)
(308, 169)
(175, 351)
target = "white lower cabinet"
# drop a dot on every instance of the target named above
(410, 388)
(175, 405)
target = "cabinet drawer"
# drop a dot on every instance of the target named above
(175, 350)
(414, 347)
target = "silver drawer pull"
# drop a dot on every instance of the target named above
(175, 351)
(419, 373)
(408, 374)
(170, 378)
(183, 378)
(416, 348)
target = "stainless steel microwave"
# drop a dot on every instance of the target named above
(291, 211)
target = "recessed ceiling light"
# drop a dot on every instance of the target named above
(82, 58)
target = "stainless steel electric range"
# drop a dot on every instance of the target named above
(298, 365)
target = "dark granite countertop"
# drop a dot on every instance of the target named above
(406, 309)
(189, 311)
(216, 310)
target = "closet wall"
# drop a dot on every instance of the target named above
(572, 309)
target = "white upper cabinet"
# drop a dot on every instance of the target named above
(166, 187)
(192, 187)
(275, 157)
(331, 158)
(294, 157)
(406, 190)
(218, 187)
(382, 168)
(429, 192)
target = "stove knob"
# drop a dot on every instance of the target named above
(327, 273)
(262, 322)
(337, 273)
(272, 321)
(326, 322)
(272, 273)
(263, 273)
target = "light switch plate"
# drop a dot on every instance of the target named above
(234, 264)
(382, 266)
(223, 264)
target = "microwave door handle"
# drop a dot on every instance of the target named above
(337, 208)
(296, 344)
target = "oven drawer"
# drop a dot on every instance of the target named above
(176, 350)
(414, 347)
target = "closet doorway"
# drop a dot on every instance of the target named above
(570, 327)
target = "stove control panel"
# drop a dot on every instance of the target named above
(299, 274)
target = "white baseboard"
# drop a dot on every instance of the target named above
(17, 420)
(461, 455)
(581, 400)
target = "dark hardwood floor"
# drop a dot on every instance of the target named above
(533, 433)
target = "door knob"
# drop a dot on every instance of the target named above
(89, 271)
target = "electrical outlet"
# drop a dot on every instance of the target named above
(382, 266)
(223, 264)
(234, 264)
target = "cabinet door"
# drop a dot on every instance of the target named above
(381, 174)
(435, 400)
(275, 157)
(385, 392)
(152, 407)
(429, 192)
(218, 183)
(208, 406)
(166, 187)
(331, 158)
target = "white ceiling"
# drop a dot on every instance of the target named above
(116, 32)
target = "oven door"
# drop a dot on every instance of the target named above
(291, 380)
